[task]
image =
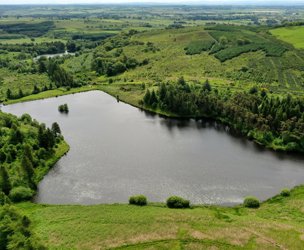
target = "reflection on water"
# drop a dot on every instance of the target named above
(118, 151)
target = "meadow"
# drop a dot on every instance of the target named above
(277, 224)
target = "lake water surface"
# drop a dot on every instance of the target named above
(118, 150)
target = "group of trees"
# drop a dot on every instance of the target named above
(50, 66)
(277, 122)
(26, 145)
(110, 60)
(35, 49)
(58, 74)
(20, 93)
(29, 29)
(114, 66)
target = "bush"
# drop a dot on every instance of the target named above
(138, 200)
(4, 199)
(63, 108)
(177, 202)
(20, 194)
(251, 202)
(285, 192)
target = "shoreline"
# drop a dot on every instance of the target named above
(132, 98)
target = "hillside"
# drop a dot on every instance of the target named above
(229, 56)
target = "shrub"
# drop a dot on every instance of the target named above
(20, 194)
(251, 202)
(285, 192)
(63, 108)
(4, 199)
(138, 200)
(177, 202)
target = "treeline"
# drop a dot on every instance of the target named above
(10, 95)
(92, 37)
(35, 48)
(272, 121)
(28, 29)
(215, 17)
(26, 148)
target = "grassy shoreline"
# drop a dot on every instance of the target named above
(278, 223)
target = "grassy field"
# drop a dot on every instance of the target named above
(277, 224)
(293, 35)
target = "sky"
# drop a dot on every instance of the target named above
(228, 2)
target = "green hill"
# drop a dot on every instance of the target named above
(235, 56)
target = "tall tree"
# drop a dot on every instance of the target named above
(5, 184)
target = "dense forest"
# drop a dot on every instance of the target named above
(276, 122)
(28, 150)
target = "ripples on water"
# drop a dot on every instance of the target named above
(118, 150)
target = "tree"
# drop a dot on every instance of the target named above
(71, 46)
(56, 129)
(153, 99)
(16, 136)
(181, 81)
(27, 152)
(20, 93)
(207, 85)
(36, 90)
(147, 97)
(28, 168)
(42, 68)
(5, 184)
(46, 138)
(9, 94)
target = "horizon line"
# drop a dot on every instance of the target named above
(158, 3)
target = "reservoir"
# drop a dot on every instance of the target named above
(118, 150)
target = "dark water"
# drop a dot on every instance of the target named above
(118, 150)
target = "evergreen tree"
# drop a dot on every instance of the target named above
(27, 168)
(27, 152)
(5, 184)
(9, 94)
(207, 85)
(147, 97)
(16, 136)
(20, 95)
(56, 129)
(153, 99)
